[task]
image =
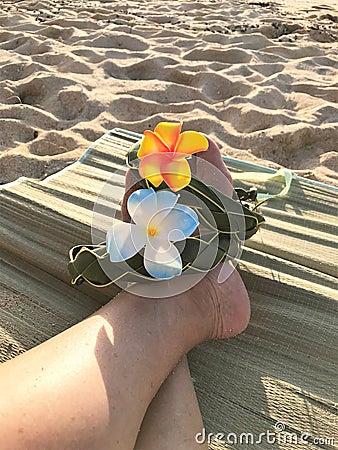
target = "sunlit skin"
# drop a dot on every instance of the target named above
(163, 154)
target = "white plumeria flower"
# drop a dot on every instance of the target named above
(158, 222)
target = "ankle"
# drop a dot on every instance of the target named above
(224, 307)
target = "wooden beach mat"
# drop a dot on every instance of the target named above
(281, 370)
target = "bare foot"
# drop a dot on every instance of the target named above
(226, 305)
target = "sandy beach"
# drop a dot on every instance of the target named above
(259, 77)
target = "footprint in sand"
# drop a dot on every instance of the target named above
(57, 32)
(157, 68)
(27, 46)
(219, 87)
(169, 93)
(52, 143)
(117, 40)
(64, 63)
(41, 90)
(10, 128)
(232, 56)
(15, 71)
(30, 166)
(247, 118)
(73, 101)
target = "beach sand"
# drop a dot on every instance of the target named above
(258, 77)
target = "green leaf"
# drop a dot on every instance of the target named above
(132, 158)
(227, 220)
(84, 263)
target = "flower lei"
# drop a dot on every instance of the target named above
(179, 224)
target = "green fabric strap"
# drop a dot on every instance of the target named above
(262, 177)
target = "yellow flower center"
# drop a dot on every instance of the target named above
(151, 231)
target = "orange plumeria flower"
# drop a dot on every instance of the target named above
(163, 154)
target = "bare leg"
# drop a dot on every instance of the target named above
(90, 386)
(173, 418)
